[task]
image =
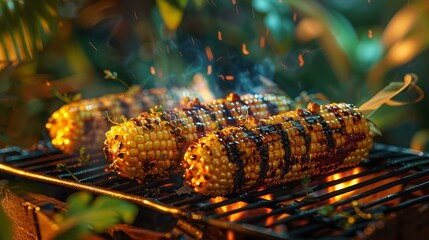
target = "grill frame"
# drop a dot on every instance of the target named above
(196, 216)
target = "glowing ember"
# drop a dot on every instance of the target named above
(219, 35)
(209, 69)
(369, 33)
(230, 207)
(244, 49)
(294, 17)
(152, 70)
(227, 77)
(262, 42)
(340, 186)
(301, 59)
(209, 53)
(243, 214)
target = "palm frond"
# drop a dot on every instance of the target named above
(25, 28)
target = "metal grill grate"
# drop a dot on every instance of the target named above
(348, 203)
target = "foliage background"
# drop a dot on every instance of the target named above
(347, 50)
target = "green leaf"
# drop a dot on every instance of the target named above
(25, 28)
(86, 216)
(171, 12)
(326, 210)
(6, 226)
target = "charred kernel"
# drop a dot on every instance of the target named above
(292, 150)
(165, 135)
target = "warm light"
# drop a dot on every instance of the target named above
(242, 214)
(308, 29)
(369, 33)
(403, 51)
(244, 49)
(271, 219)
(230, 207)
(340, 186)
(399, 26)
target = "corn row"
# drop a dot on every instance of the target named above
(84, 123)
(153, 143)
(282, 148)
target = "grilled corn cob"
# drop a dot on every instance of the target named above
(282, 148)
(84, 123)
(153, 143)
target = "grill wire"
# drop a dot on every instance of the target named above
(390, 180)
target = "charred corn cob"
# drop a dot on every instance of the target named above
(282, 148)
(84, 123)
(153, 143)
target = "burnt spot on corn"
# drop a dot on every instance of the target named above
(272, 108)
(230, 120)
(262, 149)
(234, 155)
(282, 148)
(161, 138)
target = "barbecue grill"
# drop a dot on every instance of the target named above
(371, 201)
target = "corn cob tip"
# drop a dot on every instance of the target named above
(208, 170)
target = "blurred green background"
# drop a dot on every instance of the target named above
(346, 50)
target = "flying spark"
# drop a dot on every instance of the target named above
(227, 77)
(152, 70)
(301, 59)
(262, 42)
(369, 33)
(209, 69)
(209, 54)
(219, 35)
(244, 49)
